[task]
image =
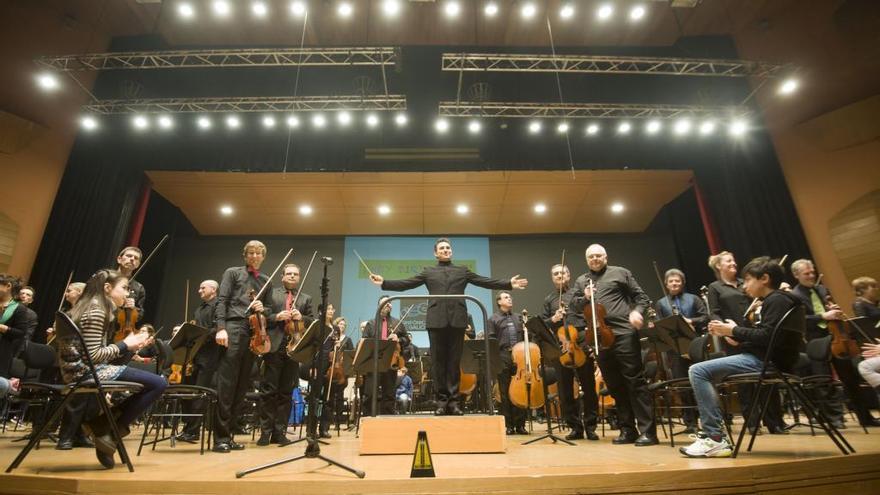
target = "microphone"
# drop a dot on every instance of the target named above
(327, 260)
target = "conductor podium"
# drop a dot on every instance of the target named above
(469, 434)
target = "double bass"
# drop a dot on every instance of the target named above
(526, 389)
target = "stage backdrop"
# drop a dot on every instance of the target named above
(404, 257)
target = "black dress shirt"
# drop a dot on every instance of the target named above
(728, 302)
(233, 298)
(507, 328)
(551, 304)
(617, 290)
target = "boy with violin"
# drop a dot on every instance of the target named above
(762, 277)
(391, 329)
(508, 330)
(556, 316)
(292, 313)
(822, 312)
(234, 306)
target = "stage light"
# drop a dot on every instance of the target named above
(345, 9)
(528, 10)
(605, 11)
(344, 118)
(259, 9)
(617, 208)
(165, 122)
(391, 7)
(268, 122)
(535, 127)
(298, 8)
(293, 121)
(592, 129)
(462, 209)
(233, 122)
(140, 122)
(384, 209)
(185, 10)
(88, 123)
(562, 128)
(653, 127)
(567, 11)
(226, 210)
(372, 120)
(400, 119)
(682, 127)
(452, 8)
(204, 123)
(540, 208)
(707, 127)
(491, 9)
(48, 82)
(788, 86)
(305, 210)
(319, 121)
(738, 128)
(474, 127)
(221, 8)
(624, 128)
(637, 13)
(441, 126)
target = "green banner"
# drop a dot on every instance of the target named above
(394, 269)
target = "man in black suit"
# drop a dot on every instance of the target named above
(816, 299)
(447, 318)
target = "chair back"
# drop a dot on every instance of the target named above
(819, 349)
(698, 350)
(72, 348)
(38, 356)
(786, 339)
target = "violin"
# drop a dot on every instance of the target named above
(594, 315)
(296, 329)
(526, 389)
(572, 354)
(335, 373)
(126, 321)
(260, 343)
(843, 343)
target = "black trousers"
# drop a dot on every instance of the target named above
(679, 367)
(513, 416)
(387, 386)
(334, 407)
(203, 375)
(624, 372)
(446, 347)
(276, 387)
(72, 418)
(848, 374)
(233, 379)
(567, 400)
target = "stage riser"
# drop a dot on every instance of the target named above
(472, 434)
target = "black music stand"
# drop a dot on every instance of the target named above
(473, 357)
(670, 333)
(185, 344)
(866, 327)
(549, 345)
(362, 364)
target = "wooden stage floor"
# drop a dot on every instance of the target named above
(794, 463)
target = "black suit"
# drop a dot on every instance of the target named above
(387, 378)
(20, 324)
(446, 320)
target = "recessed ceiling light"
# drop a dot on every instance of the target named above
(384, 209)
(535, 127)
(653, 127)
(562, 128)
(165, 122)
(624, 128)
(462, 209)
(226, 210)
(292, 121)
(269, 121)
(344, 118)
(221, 8)
(788, 86)
(372, 120)
(605, 11)
(185, 10)
(567, 11)
(442, 126)
(491, 9)
(452, 8)
(617, 208)
(259, 9)
(319, 121)
(400, 119)
(233, 122)
(298, 8)
(707, 127)
(738, 128)
(140, 122)
(305, 210)
(48, 82)
(345, 9)
(637, 13)
(592, 129)
(88, 123)
(540, 208)
(682, 127)
(474, 126)
(391, 7)
(204, 122)
(528, 10)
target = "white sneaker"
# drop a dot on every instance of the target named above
(706, 447)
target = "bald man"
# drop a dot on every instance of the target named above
(206, 359)
(621, 364)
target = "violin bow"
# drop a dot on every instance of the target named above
(186, 301)
(400, 321)
(303, 281)
(64, 293)
(362, 263)
(149, 256)
(269, 280)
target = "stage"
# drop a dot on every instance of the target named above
(794, 463)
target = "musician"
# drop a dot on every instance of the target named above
(340, 342)
(555, 316)
(728, 301)
(233, 334)
(94, 315)
(391, 329)
(762, 277)
(508, 330)
(204, 363)
(621, 364)
(816, 300)
(279, 371)
(693, 310)
(128, 261)
(15, 322)
(866, 304)
(447, 318)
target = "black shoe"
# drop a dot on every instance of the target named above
(454, 411)
(624, 438)
(777, 430)
(575, 435)
(870, 422)
(325, 434)
(510, 431)
(235, 446)
(83, 441)
(64, 445)
(238, 430)
(105, 443)
(644, 440)
(281, 439)
(440, 411)
(264, 439)
(105, 459)
(221, 448)
(521, 430)
(188, 437)
(591, 435)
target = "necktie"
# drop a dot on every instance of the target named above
(289, 302)
(818, 307)
(254, 272)
(384, 329)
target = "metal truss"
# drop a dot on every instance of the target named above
(180, 59)
(248, 104)
(586, 110)
(499, 62)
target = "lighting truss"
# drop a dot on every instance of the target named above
(247, 104)
(500, 62)
(586, 110)
(180, 59)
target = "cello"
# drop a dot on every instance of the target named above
(526, 390)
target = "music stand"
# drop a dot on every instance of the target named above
(362, 363)
(473, 357)
(186, 344)
(670, 333)
(549, 344)
(865, 328)
(304, 350)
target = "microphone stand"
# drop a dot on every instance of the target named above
(316, 378)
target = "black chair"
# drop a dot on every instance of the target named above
(775, 373)
(71, 348)
(33, 360)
